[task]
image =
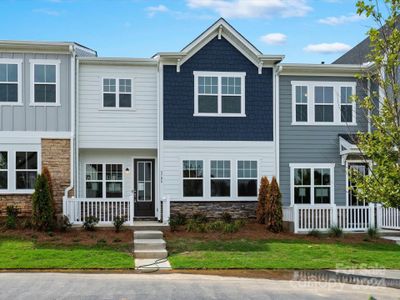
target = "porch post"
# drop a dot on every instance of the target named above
(379, 216)
(334, 221)
(131, 209)
(295, 218)
(372, 223)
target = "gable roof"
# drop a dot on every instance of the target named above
(222, 28)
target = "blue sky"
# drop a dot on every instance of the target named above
(303, 30)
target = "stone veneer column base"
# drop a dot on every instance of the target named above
(214, 209)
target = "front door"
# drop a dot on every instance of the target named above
(144, 187)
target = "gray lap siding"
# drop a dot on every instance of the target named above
(313, 143)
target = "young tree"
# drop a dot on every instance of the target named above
(382, 144)
(273, 208)
(46, 173)
(42, 208)
(262, 198)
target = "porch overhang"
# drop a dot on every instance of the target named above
(348, 146)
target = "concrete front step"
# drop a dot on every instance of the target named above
(149, 244)
(147, 234)
(151, 253)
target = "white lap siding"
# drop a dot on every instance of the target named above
(174, 152)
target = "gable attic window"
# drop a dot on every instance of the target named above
(220, 94)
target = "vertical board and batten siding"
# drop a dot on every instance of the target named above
(217, 56)
(117, 128)
(313, 143)
(38, 118)
(176, 151)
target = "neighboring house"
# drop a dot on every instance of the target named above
(37, 89)
(183, 132)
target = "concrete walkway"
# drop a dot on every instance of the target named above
(175, 286)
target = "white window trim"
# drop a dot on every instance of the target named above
(202, 178)
(117, 93)
(356, 161)
(312, 166)
(246, 178)
(231, 195)
(311, 102)
(12, 171)
(18, 62)
(34, 62)
(242, 76)
(104, 180)
(6, 170)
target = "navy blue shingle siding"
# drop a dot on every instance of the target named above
(219, 56)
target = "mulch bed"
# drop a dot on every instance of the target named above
(255, 231)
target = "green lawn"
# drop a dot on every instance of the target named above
(26, 254)
(269, 254)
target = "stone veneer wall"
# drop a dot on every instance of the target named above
(214, 209)
(56, 157)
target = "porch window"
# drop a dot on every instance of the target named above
(3, 170)
(247, 178)
(104, 181)
(220, 178)
(26, 170)
(363, 169)
(312, 183)
(192, 178)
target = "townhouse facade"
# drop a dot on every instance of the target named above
(189, 131)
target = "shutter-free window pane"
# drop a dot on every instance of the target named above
(50, 74)
(125, 100)
(192, 172)
(12, 73)
(45, 83)
(346, 112)
(324, 113)
(301, 113)
(302, 195)
(94, 172)
(26, 164)
(208, 104)
(39, 75)
(25, 179)
(3, 160)
(45, 93)
(231, 104)
(94, 189)
(3, 180)
(322, 186)
(346, 107)
(3, 170)
(114, 190)
(301, 103)
(8, 83)
(3, 72)
(247, 178)
(8, 92)
(220, 178)
(109, 100)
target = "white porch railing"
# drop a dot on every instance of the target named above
(389, 218)
(106, 210)
(348, 218)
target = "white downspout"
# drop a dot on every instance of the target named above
(72, 93)
(369, 111)
(276, 125)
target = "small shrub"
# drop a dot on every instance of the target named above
(336, 231)
(117, 240)
(101, 242)
(90, 223)
(200, 218)
(231, 227)
(42, 205)
(215, 226)
(226, 217)
(119, 222)
(76, 240)
(173, 224)
(26, 223)
(12, 214)
(195, 226)
(241, 222)
(180, 219)
(315, 233)
(373, 233)
(64, 224)
(50, 233)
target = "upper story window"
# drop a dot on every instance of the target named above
(323, 103)
(117, 93)
(10, 81)
(219, 94)
(45, 77)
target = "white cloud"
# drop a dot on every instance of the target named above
(47, 11)
(341, 20)
(253, 8)
(153, 10)
(327, 48)
(274, 38)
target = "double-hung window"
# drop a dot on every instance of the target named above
(117, 93)
(301, 103)
(104, 181)
(312, 183)
(192, 178)
(247, 178)
(10, 82)
(220, 178)
(45, 88)
(323, 103)
(26, 165)
(219, 94)
(3, 170)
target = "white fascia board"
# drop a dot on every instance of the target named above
(118, 61)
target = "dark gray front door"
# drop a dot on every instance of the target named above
(144, 187)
